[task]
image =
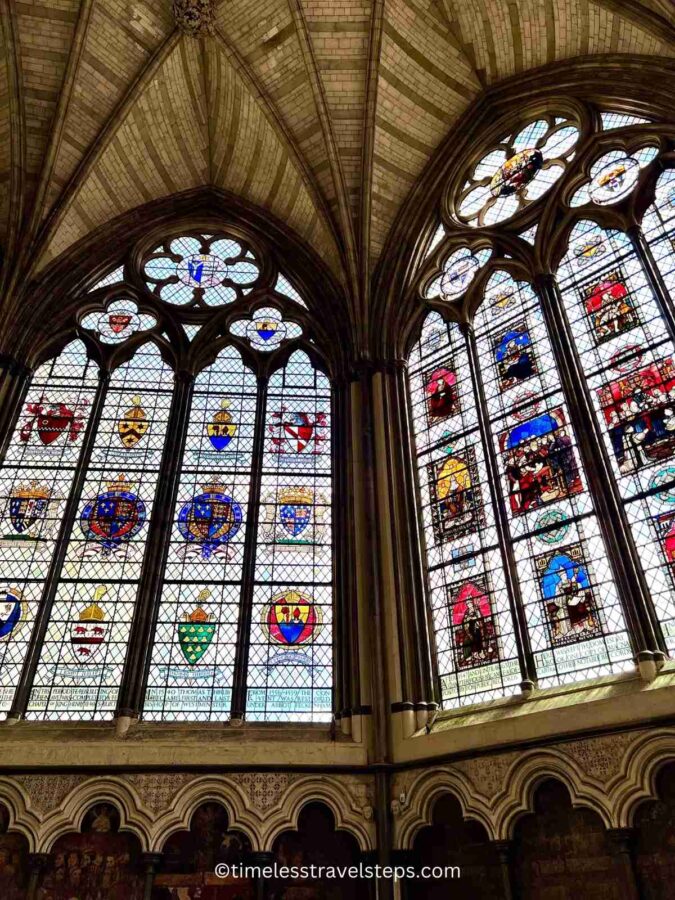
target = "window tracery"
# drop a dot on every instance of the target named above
(224, 604)
(604, 319)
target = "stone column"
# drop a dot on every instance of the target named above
(622, 841)
(37, 863)
(505, 852)
(151, 863)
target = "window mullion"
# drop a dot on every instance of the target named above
(659, 289)
(525, 658)
(22, 695)
(15, 384)
(239, 686)
(137, 662)
(644, 630)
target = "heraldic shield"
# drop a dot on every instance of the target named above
(221, 429)
(196, 632)
(210, 519)
(295, 512)
(27, 506)
(88, 632)
(133, 425)
(11, 608)
(114, 517)
(292, 619)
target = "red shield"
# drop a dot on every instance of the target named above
(119, 321)
(54, 423)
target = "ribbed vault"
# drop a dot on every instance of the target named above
(324, 114)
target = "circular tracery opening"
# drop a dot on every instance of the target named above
(518, 171)
(209, 270)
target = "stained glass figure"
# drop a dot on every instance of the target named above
(82, 657)
(522, 167)
(118, 321)
(35, 483)
(192, 665)
(290, 656)
(266, 329)
(628, 361)
(553, 526)
(205, 271)
(476, 651)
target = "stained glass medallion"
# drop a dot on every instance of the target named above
(118, 321)
(613, 176)
(459, 270)
(266, 329)
(522, 167)
(209, 271)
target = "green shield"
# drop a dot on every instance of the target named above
(194, 638)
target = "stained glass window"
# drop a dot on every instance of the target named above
(658, 227)
(36, 480)
(290, 654)
(195, 639)
(574, 619)
(266, 329)
(203, 271)
(518, 171)
(459, 270)
(475, 645)
(84, 649)
(628, 359)
(613, 177)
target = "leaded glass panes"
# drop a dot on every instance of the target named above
(195, 639)
(201, 271)
(627, 356)
(574, 619)
(475, 644)
(83, 653)
(459, 270)
(517, 172)
(266, 329)
(658, 227)
(290, 654)
(35, 483)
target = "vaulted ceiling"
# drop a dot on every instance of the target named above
(324, 112)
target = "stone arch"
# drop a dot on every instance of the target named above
(21, 817)
(562, 848)
(454, 840)
(350, 815)
(417, 811)
(528, 772)
(134, 818)
(242, 816)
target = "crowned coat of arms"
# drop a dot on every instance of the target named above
(114, 517)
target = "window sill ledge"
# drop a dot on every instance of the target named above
(604, 704)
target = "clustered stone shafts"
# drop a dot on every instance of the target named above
(194, 17)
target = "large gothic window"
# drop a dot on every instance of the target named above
(543, 392)
(166, 509)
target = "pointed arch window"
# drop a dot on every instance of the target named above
(168, 549)
(574, 385)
